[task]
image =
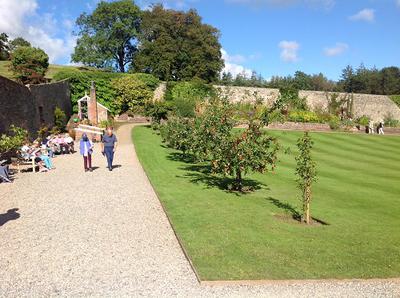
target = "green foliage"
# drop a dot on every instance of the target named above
(107, 37)
(177, 133)
(132, 93)
(248, 151)
(60, 119)
(396, 99)
(291, 100)
(186, 95)
(157, 110)
(363, 120)
(105, 92)
(13, 140)
(371, 81)
(303, 116)
(210, 137)
(334, 123)
(106, 123)
(176, 45)
(306, 173)
(390, 121)
(19, 42)
(29, 64)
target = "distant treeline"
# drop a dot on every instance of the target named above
(359, 80)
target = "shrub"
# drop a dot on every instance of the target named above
(303, 116)
(177, 133)
(131, 93)
(13, 140)
(291, 100)
(390, 121)
(185, 96)
(60, 119)
(106, 123)
(334, 123)
(363, 120)
(29, 64)
(156, 110)
(306, 173)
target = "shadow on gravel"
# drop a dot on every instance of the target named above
(11, 214)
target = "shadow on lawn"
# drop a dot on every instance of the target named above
(201, 174)
(286, 207)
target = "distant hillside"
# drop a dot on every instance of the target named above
(53, 69)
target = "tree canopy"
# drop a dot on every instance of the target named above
(4, 46)
(176, 45)
(29, 64)
(108, 36)
(19, 42)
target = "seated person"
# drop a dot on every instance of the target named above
(39, 161)
(63, 145)
(4, 173)
(70, 142)
(44, 155)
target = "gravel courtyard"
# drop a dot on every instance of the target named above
(105, 234)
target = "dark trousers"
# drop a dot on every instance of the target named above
(109, 152)
(87, 161)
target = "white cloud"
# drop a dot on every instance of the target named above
(289, 50)
(232, 67)
(327, 4)
(17, 18)
(338, 49)
(366, 14)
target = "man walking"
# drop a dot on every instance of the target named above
(109, 146)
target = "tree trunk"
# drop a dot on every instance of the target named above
(121, 60)
(307, 207)
(238, 181)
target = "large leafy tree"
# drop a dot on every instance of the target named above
(4, 46)
(108, 36)
(29, 64)
(176, 45)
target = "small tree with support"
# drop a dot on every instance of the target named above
(306, 173)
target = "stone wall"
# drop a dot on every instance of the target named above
(376, 107)
(32, 106)
(248, 94)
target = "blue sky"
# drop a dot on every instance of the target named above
(272, 37)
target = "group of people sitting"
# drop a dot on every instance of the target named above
(42, 151)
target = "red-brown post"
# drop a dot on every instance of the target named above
(92, 106)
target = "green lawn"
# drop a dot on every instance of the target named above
(230, 236)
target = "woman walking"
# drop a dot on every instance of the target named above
(86, 149)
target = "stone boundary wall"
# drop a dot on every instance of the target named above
(32, 106)
(377, 107)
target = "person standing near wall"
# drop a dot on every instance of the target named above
(109, 146)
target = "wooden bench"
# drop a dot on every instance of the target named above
(20, 161)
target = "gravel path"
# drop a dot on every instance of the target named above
(105, 234)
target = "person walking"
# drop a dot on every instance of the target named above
(109, 146)
(86, 150)
(380, 127)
